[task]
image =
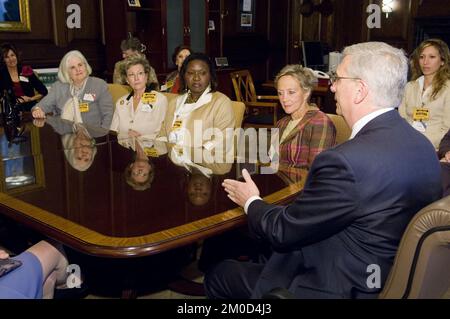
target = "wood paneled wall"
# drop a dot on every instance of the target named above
(279, 27)
(50, 38)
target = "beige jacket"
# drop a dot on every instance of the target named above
(439, 122)
(218, 113)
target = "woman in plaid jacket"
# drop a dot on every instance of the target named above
(306, 131)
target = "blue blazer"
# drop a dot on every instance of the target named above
(356, 203)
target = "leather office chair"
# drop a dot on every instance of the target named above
(422, 265)
(343, 132)
(261, 110)
(421, 268)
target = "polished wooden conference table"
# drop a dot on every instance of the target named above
(95, 212)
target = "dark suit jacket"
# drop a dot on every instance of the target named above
(356, 203)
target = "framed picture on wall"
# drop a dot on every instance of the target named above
(246, 15)
(246, 20)
(15, 16)
(134, 3)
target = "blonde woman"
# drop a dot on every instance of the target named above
(305, 131)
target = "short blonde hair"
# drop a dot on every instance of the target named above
(304, 76)
(63, 71)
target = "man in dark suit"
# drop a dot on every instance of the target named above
(338, 239)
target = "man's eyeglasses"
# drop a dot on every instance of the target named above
(334, 78)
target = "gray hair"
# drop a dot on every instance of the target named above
(382, 67)
(63, 71)
(304, 76)
(67, 141)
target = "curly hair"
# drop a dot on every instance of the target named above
(200, 57)
(443, 74)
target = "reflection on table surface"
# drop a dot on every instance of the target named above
(98, 210)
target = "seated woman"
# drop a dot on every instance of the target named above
(444, 155)
(77, 96)
(173, 82)
(20, 79)
(426, 101)
(143, 110)
(306, 131)
(132, 47)
(200, 106)
(43, 266)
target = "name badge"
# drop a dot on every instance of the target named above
(420, 126)
(151, 151)
(421, 114)
(89, 97)
(177, 125)
(146, 108)
(23, 79)
(148, 98)
(84, 107)
(169, 84)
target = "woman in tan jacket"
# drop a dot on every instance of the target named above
(426, 103)
(200, 116)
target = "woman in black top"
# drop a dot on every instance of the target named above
(20, 79)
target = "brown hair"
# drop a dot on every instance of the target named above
(5, 48)
(132, 43)
(443, 74)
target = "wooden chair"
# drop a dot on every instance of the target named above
(261, 110)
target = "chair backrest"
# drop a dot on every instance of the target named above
(170, 96)
(422, 265)
(343, 132)
(117, 91)
(239, 109)
(243, 85)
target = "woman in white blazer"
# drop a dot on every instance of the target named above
(141, 112)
